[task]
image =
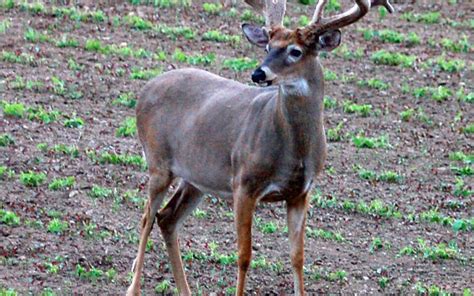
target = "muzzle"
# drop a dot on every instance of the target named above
(259, 76)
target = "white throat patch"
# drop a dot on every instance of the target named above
(298, 87)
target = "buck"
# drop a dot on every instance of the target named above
(245, 143)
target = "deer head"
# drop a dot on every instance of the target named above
(290, 50)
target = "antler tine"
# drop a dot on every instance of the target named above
(318, 12)
(360, 8)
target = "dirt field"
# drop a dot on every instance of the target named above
(396, 218)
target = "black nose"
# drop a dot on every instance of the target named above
(258, 76)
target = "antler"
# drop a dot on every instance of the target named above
(273, 10)
(360, 8)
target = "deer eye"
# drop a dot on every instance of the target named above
(295, 53)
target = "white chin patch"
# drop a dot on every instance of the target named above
(269, 75)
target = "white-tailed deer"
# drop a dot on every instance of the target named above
(245, 143)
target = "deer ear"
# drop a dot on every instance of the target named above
(329, 40)
(255, 34)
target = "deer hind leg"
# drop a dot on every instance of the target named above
(182, 203)
(159, 182)
(244, 207)
(296, 213)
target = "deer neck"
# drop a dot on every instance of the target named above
(300, 108)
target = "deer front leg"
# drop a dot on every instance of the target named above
(296, 212)
(244, 207)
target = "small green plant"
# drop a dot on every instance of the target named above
(364, 110)
(463, 171)
(180, 56)
(145, 74)
(176, 32)
(268, 228)
(62, 183)
(66, 41)
(389, 177)
(13, 109)
(376, 244)
(126, 99)
(4, 25)
(338, 275)
(6, 140)
(127, 128)
(100, 192)
(137, 23)
(407, 114)
(163, 287)
(5, 172)
(329, 102)
(374, 83)
(41, 115)
(9, 218)
(218, 36)
(393, 59)
(32, 179)
(448, 65)
(462, 45)
(334, 134)
(32, 35)
(361, 141)
(240, 64)
(324, 234)
(212, 8)
(383, 282)
(426, 18)
(468, 129)
(200, 214)
(57, 226)
(92, 275)
(74, 122)
(367, 174)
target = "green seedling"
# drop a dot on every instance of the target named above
(32, 179)
(57, 226)
(364, 110)
(32, 35)
(13, 109)
(217, 36)
(100, 192)
(9, 218)
(126, 99)
(367, 142)
(6, 140)
(334, 134)
(212, 8)
(62, 183)
(393, 59)
(176, 32)
(240, 64)
(4, 25)
(74, 122)
(145, 74)
(127, 128)
(41, 115)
